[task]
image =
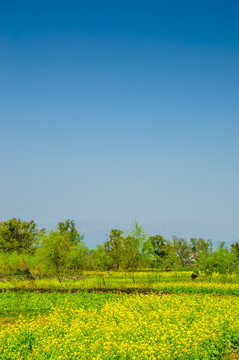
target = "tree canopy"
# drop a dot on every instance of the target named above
(19, 236)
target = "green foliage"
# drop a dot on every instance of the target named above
(137, 232)
(78, 258)
(171, 261)
(125, 251)
(198, 245)
(53, 254)
(69, 227)
(101, 259)
(182, 250)
(114, 248)
(222, 261)
(225, 260)
(62, 251)
(235, 249)
(206, 263)
(19, 236)
(131, 255)
(154, 249)
(16, 264)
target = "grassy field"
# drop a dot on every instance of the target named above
(169, 282)
(190, 323)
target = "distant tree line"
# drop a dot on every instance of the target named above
(26, 250)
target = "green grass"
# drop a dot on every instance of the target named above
(170, 282)
(15, 304)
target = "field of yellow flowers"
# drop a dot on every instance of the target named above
(111, 326)
(164, 316)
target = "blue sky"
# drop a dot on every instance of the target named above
(113, 110)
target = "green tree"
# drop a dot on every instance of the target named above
(172, 260)
(62, 251)
(19, 236)
(138, 234)
(78, 257)
(100, 258)
(69, 227)
(200, 244)
(155, 250)
(225, 260)
(54, 254)
(131, 256)
(182, 250)
(206, 263)
(235, 249)
(114, 248)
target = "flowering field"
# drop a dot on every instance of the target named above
(111, 326)
(170, 282)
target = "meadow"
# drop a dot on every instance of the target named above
(124, 282)
(163, 316)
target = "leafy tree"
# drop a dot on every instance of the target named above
(155, 250)
(225, 260)
(100, 258)
(182, 250)
(131, 256)
(137, 232)
(78, 258)
(197, 245)
(114, 248)
(235, 249)
(19, 236)
(54, 253)
(158, 245)
(62, 251)
(171, 261)
(206, 263)
(69, 227)
(125, 251)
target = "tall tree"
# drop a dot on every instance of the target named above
(19, 236)
(200, 244)
(59, 256)
(62, 251)
(155, 250)
(235, 249)
(54, 252)
(182, 250)
(69, 227)
(131, 256)
(114, 247)
(137, 232)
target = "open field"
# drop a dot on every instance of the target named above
(169, 282)
(82, 326)
(191, 323)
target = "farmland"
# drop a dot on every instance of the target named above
(133, 297)
(123, 282)
(163, 316)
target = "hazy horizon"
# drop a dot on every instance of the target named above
(96, 232)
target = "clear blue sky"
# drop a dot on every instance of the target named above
(111, 110)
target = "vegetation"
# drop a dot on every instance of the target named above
(134, 297)
(19, 236)
(92, 326)
(24, 249)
